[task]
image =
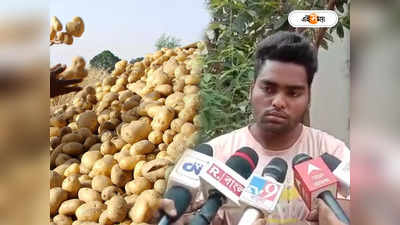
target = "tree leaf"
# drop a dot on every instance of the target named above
(339, 30)
(324, 44)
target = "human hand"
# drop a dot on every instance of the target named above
(60, 87)
(324, 215)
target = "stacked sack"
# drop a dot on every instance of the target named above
(112, 148)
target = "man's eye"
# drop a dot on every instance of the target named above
(294, 93)
(268, 90)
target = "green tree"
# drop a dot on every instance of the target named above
(236, 27)
(105, 60)
(167, 41)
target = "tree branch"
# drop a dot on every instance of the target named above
(321, 31)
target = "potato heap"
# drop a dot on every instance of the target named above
(113, 147)
(75, 28)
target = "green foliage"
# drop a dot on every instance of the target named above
(105, 60)
(236, 27)
(167, 41)
(138, 59)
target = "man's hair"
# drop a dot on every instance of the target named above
(290, 47)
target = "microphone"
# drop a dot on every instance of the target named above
(263, 193)
(313, 180)
(184, 183)
(223, 183)
(341, 170)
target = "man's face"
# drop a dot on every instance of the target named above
(280, 96)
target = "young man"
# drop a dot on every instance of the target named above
(280, 96)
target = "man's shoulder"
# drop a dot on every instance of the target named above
(321, 135)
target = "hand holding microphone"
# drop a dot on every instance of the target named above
(184, 183)
(314, 180)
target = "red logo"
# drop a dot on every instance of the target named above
(225, 179)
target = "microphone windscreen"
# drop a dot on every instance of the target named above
(276, 168)
(331, 161)
(243, 161)
(206, 149)
(299, 158)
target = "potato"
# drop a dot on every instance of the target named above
(55, 24)
(162, 147)
(176, 125)
(137, 185)
(84, 132)
(72, 170)
(191, 89)
(187, 129)
(117, 209)
(90, 211)
(135, 131)
(118, 142)
(95, 147)
(110, 80)
(55, 179)
(73, 148)
(103, 166)
(158, 77)
(137, 172)
(73, 126)
(57, 196)
(155, 169)
(61, 159)
(120, 177)
(61, 168)
(170, 66)
(193, 79)
(81, 28)
(62, 220)
(124, 95)
(85, 181)
(54, 131)
(129, 116)
(69, 207)
(120, 67)
(54, 142)
(130, 200)
(152, 109)
(164, 89)
(57, 122)
(163, 119)
(89, 158)
(77, 222)
(90, 141)
(67, 38)
(87, 119)
(178, 85)
(168, 172)
(176, 148)
(128, 163)
(107, 136)
(108, 148)
(168, 136)
(104, 220)
(119, 155)
(71, 184)
(142, 147)
(130, 103)
(160, 186)
(187, 114)
(100, 182)
(145, 204)
(88, 195)
(192, 101)
(175, 101)
(65, 130)
(180, 71)
(110, 191)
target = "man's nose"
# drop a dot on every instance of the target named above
(279, 102)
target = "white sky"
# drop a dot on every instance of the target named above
(128, 28)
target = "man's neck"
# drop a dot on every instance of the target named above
(275, 141)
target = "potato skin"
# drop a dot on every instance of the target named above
(57, 196)
(69, 207)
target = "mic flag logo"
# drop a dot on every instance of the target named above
(263, 190)
(312, 168)
(313, 18)
(192, 167)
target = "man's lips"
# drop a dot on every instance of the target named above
(276, 114)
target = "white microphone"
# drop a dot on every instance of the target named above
(184, 182)
(263, 193)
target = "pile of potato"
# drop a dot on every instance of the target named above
(112, 148)
(74, 28)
